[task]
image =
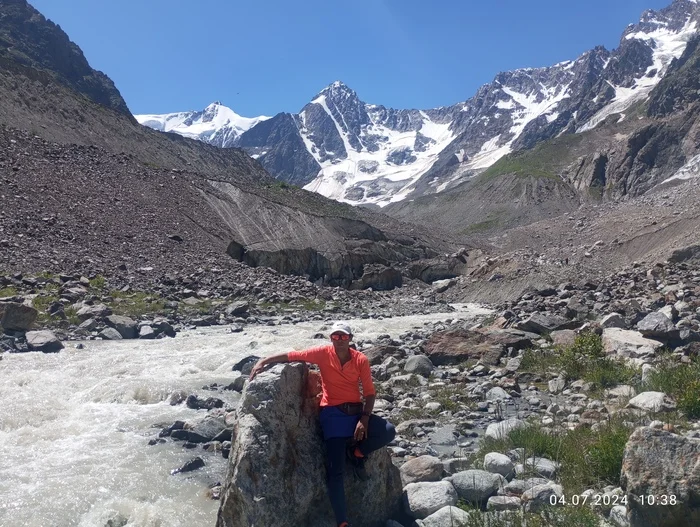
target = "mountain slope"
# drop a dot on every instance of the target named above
(107, 189)
(27, 38)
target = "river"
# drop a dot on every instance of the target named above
(75, 425)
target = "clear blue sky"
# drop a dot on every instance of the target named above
(261, 57)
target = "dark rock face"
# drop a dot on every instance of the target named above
(280, 149)
(26, 37)
(15, 316)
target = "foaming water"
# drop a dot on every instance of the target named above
(74, 426)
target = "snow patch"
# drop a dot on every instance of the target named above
(690, 170)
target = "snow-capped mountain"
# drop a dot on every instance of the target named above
(216, 124)
(362, 153)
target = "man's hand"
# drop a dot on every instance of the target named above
(259, 366)
(361, 428)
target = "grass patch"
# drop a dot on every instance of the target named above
(680, 381)
(568, 516)
(42, 304)
(542, 161)
(72, 316)
(585, 359)
(99, 282)
(8, 291)
(135, 304)
(588, 458)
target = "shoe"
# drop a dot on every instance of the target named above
(358, 464)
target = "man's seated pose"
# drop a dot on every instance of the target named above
(349, 428)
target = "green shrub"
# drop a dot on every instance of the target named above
(8, 291)
(680, 381)
(588, 458)
(585, 359)
(99, 282)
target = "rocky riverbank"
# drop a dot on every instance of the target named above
(539, 403)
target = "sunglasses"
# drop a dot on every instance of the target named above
(340, 336)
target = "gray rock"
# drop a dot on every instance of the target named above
(618, 516)
(543, 323)
(17, 317)
(503, 503)
(556, 385)
(538, 497)
(206, 430)
(497, 394)
(498, 463)
(652, 402)
(237, 308)
(94, 311)
(628, 343)
(276, 462)
(422, 468)
(476, 486)
(518, 486)
(563, 338)
(659, 463)
(656, 325)
(420, 365)
(613, 320)
(88, 325)
(43, 340)
(448, 516)
(542, 466)
(423, 499)
(110, 334)
(126, 326)
(146, 332)
(502, 429)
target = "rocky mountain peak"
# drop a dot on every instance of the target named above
(28, 39)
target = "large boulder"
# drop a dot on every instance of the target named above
(127, 327)
(448, 516)
(86, 311)
(419, 364)
(477, 486)
(423, 499)
(658, 463)
(657, 325)
(545, 323)
(43, 340)
(17, 317)
(276, 475)
(455, 346)
(628, 343)
(422, 468)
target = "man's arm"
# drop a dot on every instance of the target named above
(264, 363)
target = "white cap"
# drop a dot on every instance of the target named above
(339, 327)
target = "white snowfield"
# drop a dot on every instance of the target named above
(667, 45)
(216, 119)
(337, 176)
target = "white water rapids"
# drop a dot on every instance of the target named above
(75, 425)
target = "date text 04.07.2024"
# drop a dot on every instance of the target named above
(613, 499)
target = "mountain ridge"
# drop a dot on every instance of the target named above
(367, 154)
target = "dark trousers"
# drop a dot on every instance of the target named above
(379, 434)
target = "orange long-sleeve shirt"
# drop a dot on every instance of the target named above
(340, 383)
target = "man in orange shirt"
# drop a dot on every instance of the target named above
(344, 416)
